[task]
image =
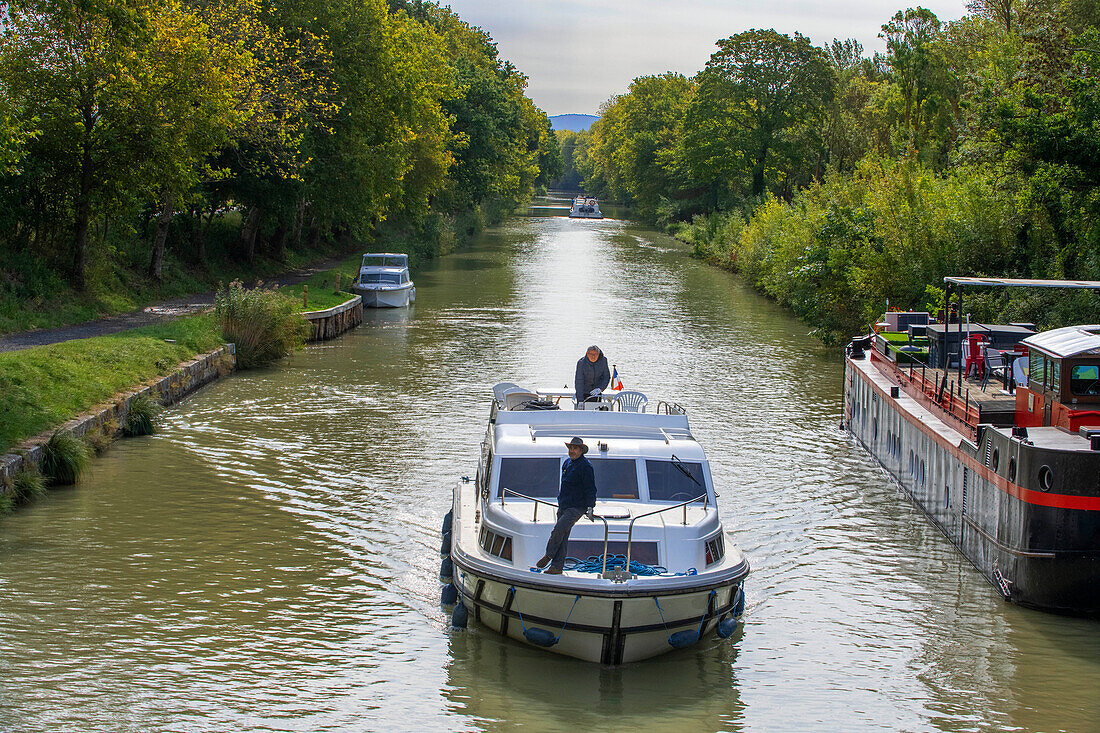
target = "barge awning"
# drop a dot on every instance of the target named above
(1068, 341)
(1020, 282)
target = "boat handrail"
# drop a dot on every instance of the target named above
(535, 516)
(630, 528)
(607, 531)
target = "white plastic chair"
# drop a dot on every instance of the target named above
(631, 401)
(517, 397)
(502, 389)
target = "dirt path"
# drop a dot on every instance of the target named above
(156, 313)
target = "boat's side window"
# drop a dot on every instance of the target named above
(616, 478)
(537, 477)
(716, 549)
(674, 481)
(1035, 371)
(1084, 379)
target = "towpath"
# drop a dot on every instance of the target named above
(156, 313)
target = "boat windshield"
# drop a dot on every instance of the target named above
(385, 260)
(537, 477)
(674, 480)
(616, 478)
(1084, 379)
(385, 278)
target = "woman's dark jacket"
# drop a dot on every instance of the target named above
(578, 485)
(591, 375)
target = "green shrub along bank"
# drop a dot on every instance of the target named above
(835, 180)
(65, 459)
(264, 324)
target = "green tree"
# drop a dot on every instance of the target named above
(764, 93)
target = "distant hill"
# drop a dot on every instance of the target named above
(576, 123)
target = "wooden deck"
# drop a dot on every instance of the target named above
(967, 402)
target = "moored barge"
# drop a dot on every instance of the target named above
(1009, 472)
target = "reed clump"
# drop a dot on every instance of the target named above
(264, 324)
(142, 416)
(65, 458)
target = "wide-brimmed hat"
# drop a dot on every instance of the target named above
(578, 442)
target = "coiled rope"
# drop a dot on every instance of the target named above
(594, 564)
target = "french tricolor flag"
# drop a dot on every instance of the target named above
(616, 383)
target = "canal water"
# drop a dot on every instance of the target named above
(269, 560)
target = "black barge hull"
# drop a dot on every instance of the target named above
(1035, 537)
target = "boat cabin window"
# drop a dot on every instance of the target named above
(536, 477)
(1084, 379)
(616, 478)
(674, 480)
(1036, 369)
(1054, 369)
(386, 278)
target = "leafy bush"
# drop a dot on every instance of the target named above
(141, 419)
(264, 324)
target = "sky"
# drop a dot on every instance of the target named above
(577, 54)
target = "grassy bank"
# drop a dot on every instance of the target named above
(42, 387)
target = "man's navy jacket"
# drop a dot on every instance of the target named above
(578, 485)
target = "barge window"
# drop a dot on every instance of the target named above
(667, 482)
(1084, 379)
(1055, 367)
(537, 477)
(1035, 370)
(616, 478)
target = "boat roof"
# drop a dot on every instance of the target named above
(1068, 341)
(385, 254)
(543, 433)
(1022, 282)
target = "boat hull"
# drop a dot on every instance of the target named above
(387, 298)
(1038, 549)
(605, 628)
(573, 215)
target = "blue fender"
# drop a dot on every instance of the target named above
(447, 519)
(445, 546)
(681, 639)
(727, 626)
(459, 616)
(446, 569)
(541, 637)
(739, 602)
(449, 595)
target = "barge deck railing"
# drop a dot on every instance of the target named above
(939, 396)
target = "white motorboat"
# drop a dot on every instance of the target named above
(653, 570)
(384, 281)
(585, 207)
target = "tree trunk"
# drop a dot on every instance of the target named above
(250, 230)
(164, 219)
(759, 167)
(83, 208)
(278, 241)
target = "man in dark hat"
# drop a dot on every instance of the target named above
(576, 497)
(592, 376)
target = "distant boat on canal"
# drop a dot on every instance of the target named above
(384, 281)
(585, 207)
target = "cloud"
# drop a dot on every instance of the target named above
(577, 54)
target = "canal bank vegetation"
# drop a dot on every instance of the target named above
(264, 324)
(151, 148)
(44, 386)
(836, 181)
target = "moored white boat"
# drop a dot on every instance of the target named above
(655, 511)
(384, 281)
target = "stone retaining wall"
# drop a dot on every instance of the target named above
(331, 323)
(110, 418)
